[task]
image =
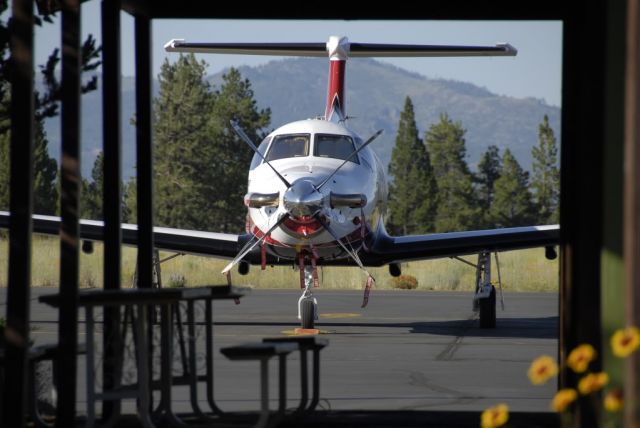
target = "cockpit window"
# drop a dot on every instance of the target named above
(289, 146)
(257, 160)
(334, 146)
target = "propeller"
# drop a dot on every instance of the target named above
(243, 136)
(351, 253)
(355, 152)
(250, 246)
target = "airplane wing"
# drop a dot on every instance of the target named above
(396, 249)
(224, 245)
(386, 249)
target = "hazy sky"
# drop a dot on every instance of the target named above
(534, 72)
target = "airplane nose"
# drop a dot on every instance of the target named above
(302, 199)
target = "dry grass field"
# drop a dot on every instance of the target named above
(524, 270)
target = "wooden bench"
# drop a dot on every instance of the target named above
(263, 352)
(306, 343)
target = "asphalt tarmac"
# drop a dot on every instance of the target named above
(408, 350)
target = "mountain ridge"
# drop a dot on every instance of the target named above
(295, 88)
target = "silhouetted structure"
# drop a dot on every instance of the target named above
(600, 195)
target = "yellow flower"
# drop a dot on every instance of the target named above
(613, 401)
(580, 357)
(495, 416)
(542, 369)
(563, 399)
(625, 341)
(592, 382)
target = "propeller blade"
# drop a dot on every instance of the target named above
(351, 253)
(355, 152)
(244, 137)
(250, 246)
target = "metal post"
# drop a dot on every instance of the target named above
(581, 191)
(144, 151)
(112, 210)
(21, 205)
(632, 204)
(69, 210)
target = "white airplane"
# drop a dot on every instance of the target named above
(317, 193)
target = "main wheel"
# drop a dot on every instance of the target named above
(308, 314)
(488, 310)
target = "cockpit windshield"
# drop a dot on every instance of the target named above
(289, 146)
(334, 146)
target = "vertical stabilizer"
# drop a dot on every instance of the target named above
(338, 49)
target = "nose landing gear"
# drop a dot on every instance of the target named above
(307, 304)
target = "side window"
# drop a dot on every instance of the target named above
(262, 148)
(334, 146)
(288, 146)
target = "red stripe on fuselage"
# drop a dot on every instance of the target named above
(336, 86)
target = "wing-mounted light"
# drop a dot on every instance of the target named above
(259, 200)
(352, 200)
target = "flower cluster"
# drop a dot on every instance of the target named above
(623, 343)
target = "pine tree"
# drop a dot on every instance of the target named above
(130, 208)
(488, 172)
(546, 176)
(5, 171)
(46, 105)
(457, 209)
(92, 191)
(413, 193)
(182, 146)
(234, 100)
(512, 204)
(45, 191)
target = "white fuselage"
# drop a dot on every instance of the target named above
(320, 148)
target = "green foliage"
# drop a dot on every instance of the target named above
(545, 182)
(201, 164)
(488, 172)
(512, 205)
(413, 193)
(234, 100)
(183, 150)
(176, 280)
(5, 171)
(46, 105)
(45, 192)
(405, 282)
(456, 207)
(130, 208)
(92, 191)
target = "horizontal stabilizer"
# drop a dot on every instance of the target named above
(355, 49)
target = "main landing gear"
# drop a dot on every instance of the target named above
(307, 304)
(484, 299)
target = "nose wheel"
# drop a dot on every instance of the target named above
(307, 304)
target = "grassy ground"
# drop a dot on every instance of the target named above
(524, 270)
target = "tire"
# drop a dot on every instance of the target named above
(308, 314)
(488, 310)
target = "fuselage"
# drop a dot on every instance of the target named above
(352, 203)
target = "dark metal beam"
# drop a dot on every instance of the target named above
(581, 192)
(144, 151)
(69, 213)
(112, 192)
(21, 205)
(632, 204)
(453, 9)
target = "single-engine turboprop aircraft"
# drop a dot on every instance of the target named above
(317, 193)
